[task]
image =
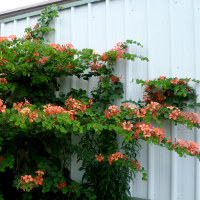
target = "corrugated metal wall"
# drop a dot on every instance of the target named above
(170, 33)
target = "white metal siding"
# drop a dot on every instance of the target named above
(170, 33)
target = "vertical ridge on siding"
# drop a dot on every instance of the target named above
(137, 69)
(126, 36)
(196, 29)
(89, 27)
(74, 83)
(57, 29)
(174, 181)
(89, 18)
(151, 147)
(3, 26)
(15, 27)
(107, 24)
(28, 21)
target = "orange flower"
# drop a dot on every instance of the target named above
(12, 37)
(148, 131)
(114, 110)
(127, 126)
(3, 81)
(174, 81)
(61, 185)
(162, 77)
(70, 46)
(1, 158)
(115, 157)
(95, 66)
(2, 107)
(99, 158)
(3, 38)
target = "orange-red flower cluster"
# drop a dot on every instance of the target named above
(138, 166)
(188, 146)
(1, 158)
(2, 107)
(42, 60)
(32, 182)
(141, 113)
(3, 60)
(117, 49)
(114, 110)
(3, 38)
(112, 78)
(132, 107)
(57, 47)
(38, 179)
(177, 113)
(162, 77)
(115, 157)
(27, 111)
(95, 66)
(115, 78)
(3, 81)
(27, 35)
(62, 48)
(156, 96)
(35, 26)
(33, 116)
(64, 68)
(99, 158)
(61, 185)
(127, 126)
(18, 106)
(111, 158)
(73, 104)
(21, 107)
(192, 117)
(177, 81)
(51, 109)
(148, 131)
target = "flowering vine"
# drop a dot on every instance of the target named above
(32, 116)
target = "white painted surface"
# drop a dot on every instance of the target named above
(13, 4)
(169, 31)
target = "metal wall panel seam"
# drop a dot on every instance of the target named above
(89, 27)
(174, 161)
(126, 33)
(68, 5)
(89, 17)
(197, 163)
(170, 72)
(72, 24)
(151, 156)
(57, 38)
(69, 81)
(2, 29)
(127, 63)
(28, 21)
(73, 82)
(196, 8)
(15, 27)
(57, 29)
(107, 23)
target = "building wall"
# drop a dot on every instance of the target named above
(169, 31)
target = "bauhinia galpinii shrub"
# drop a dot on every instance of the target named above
(36, 125)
